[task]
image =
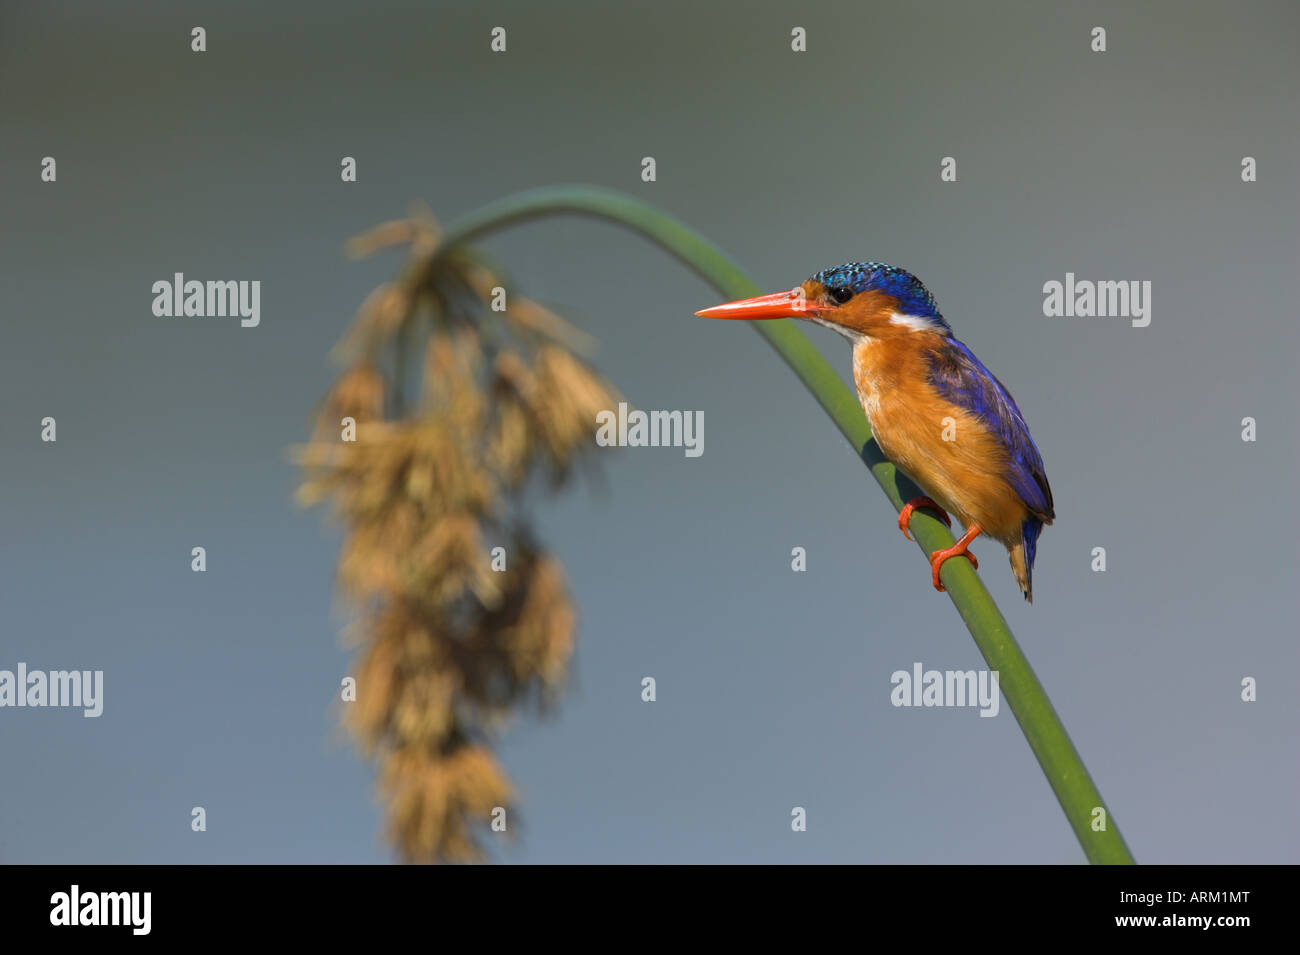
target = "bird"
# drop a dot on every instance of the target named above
(937, 413)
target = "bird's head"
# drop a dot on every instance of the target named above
(857, 299)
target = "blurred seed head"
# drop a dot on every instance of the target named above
(457, 408)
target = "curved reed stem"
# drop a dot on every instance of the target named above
(1043, 729)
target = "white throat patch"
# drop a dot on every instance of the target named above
(851, 334)
(916, 323)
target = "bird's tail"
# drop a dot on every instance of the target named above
(1022, 556)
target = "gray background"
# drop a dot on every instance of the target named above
(773, 686)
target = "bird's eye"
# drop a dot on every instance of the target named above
(841, 294)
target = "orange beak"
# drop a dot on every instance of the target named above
(791, 304)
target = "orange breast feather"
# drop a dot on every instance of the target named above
(944, 448)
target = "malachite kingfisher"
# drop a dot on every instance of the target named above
(937, 413)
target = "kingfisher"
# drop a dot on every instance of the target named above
(937, 413)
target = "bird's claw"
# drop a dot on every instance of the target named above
(939, 556)
(905, 515)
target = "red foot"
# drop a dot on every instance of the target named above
(957, 549)
(905, 515)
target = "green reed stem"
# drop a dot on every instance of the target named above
(1043, 729)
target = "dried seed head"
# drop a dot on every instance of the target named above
(450, 643)
(383, 312)
(566, 401)
(436, 801)
(400, 232)
(358, 394)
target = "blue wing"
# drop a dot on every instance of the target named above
(961, 378)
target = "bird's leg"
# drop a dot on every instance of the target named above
(905, 515)
(959, 548)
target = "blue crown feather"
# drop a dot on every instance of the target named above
(913, 297)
